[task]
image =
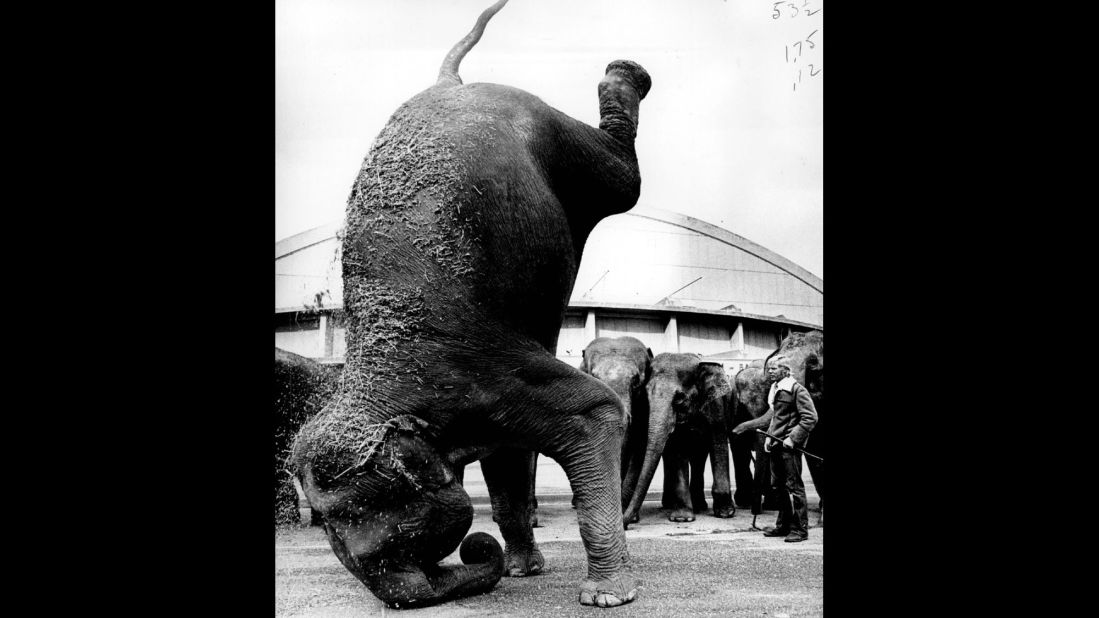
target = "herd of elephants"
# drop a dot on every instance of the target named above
(462, 240)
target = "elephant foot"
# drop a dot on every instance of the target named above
(681, 514)
(523, 563)
(608, 592)
(626, 521)
(723, 506)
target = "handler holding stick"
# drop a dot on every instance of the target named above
(794, 416)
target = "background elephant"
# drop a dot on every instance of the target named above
(686, 425)
(624, 364)
(747, 410)
(805, 352)
(301, 388)
(463, 234)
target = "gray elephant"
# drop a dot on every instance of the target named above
(301, 388)
(625, 364)
(805, 353)
(747, 410)
(463, 234)
(686, 425)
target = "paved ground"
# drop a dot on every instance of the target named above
(709, 567)
(551, 482)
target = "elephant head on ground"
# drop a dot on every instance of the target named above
(686, 425)
(624, 364)
(463, 235)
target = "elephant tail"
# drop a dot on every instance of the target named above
(448, 73)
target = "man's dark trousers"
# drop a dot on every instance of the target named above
(793, 512)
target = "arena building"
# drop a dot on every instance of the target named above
(676, 283)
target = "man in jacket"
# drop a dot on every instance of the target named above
(793, 417)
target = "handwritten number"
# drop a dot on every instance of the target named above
(811, 73)
(776, 13)
(811, 43)
(793, 6)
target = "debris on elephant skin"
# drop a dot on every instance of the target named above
(463, 235)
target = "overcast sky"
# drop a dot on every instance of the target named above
(728, 134)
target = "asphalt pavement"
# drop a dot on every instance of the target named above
(708, 567)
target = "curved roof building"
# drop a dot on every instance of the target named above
(677, 283)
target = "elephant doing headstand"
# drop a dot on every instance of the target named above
(686, 425)
(463, 234)
(625, 364)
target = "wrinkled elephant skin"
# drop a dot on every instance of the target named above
(624, 364)
(463, 235)
(687, 425)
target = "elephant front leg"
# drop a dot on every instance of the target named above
(742, 458)
(677, 480)
(719, 461)
(591, 461)
(577, 421)
(698, 481)
(510, 484)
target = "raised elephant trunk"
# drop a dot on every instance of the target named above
(620, 95)
(661, 425)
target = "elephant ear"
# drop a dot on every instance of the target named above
(712, 380)
(766, 360)
(409, 457)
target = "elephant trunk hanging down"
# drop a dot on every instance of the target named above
(464, 231)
